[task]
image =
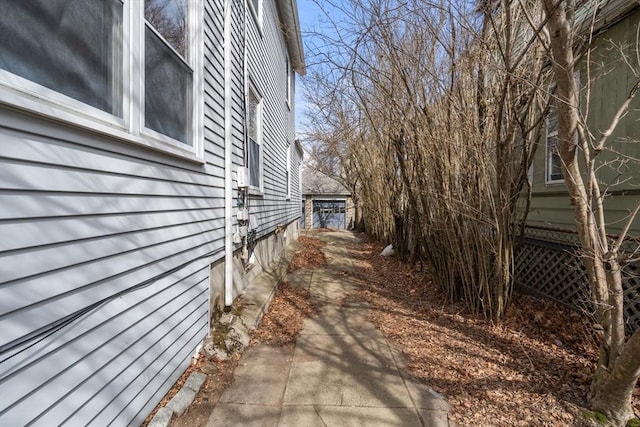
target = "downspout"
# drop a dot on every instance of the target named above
(228, 161)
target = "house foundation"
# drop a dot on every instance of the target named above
(268, 251)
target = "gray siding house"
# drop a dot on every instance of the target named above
(123, 227)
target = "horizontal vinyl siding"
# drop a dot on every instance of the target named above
(107, 351)
(238, 89)
(555, 210)
(267, 59)
(83, 217)
(611, 80)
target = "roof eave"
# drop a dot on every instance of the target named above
(288, 11)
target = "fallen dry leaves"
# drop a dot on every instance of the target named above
(279, 326)
(291, 305)
(532, 370)
(283, 321)
(308, 255)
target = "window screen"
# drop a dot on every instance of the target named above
(168, 83)
(168, 77)
(554, 162)
(70, 46)
(254, 163)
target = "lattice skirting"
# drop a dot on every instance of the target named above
(554, 270)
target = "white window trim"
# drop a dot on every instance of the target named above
(23, 94)
(252, 188)
(289, 79)
(257, 14)
(547, 152)
(288, 163)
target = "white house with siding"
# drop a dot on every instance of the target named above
(123, 230)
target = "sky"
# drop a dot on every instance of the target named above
(310, 16)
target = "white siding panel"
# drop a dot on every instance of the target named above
(34, 304)
(267, 59)
(40, 232)
(95, 332)
(60, 154)
(163, 341)
(17, 205)
(114, 365)
(17, 175)
(45, 259)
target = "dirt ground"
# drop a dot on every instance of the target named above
(532, 370)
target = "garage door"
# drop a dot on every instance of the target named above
(329, 214)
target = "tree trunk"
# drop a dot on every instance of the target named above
(618, 367)
(611, 390)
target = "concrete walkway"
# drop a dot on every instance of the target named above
(342, 371)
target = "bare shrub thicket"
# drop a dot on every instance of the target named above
(432, 110)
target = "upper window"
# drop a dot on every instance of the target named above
(168, 74)
(129, 69)
(288, 172)
(254, 143)
(289, 81)
(553, 160)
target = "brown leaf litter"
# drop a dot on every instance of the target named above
(532, 370)
(279, 326)
(308, 255)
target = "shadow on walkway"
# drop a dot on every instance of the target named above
(342, 371)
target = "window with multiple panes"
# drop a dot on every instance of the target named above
(128, 68)
(254, 143)
(168, 75)
(553, 160)
(71, 48)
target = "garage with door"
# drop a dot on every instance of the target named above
(329, 213)
(327, 203)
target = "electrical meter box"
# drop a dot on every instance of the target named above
(243, 177)
(243, 214)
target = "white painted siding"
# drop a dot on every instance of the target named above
(84, 217)
(116, 241)
(267, 61)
